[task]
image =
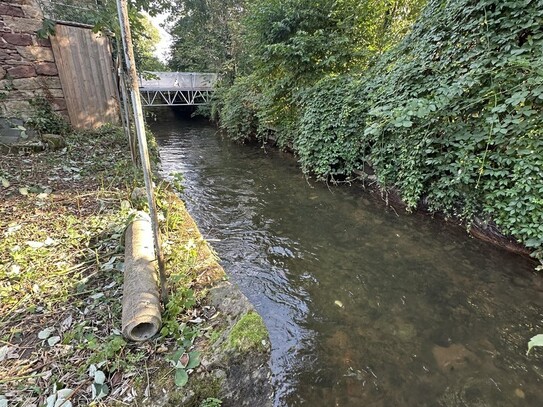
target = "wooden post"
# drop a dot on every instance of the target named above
(122, 9)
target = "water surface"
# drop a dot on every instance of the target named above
(365, 307)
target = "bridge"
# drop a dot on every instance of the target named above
(177, 88)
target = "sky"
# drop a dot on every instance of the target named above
(163, 47)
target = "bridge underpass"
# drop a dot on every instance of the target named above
(177, 88)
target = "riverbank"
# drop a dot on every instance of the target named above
(478, 228)
(62, 218)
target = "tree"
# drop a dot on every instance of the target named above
(102, 16)
(145, 45)
(292, 44)
(206, 35)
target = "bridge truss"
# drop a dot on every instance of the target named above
(161, 97)
(177, 88)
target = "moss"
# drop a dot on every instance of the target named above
(202, 388)
(249, 333)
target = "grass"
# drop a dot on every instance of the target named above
(62, 219)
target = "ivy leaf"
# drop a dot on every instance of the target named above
(535, 341)
(534, 242)
(181, 377)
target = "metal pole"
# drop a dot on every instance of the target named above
(122, 9)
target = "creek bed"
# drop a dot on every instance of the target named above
(365, 307)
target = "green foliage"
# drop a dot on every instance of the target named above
(291, 45)
(205, 35)
(47, 29)
(103, 17)
(211, 402)
(238, 107)
(177, 180)
(183, 362)
(452, 115)
(45, 121)
(329, 142)
(145, 45)
(179, 301)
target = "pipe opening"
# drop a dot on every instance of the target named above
(143, 331)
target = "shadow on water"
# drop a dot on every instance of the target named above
(364, 307)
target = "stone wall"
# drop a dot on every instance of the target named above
(27, 64)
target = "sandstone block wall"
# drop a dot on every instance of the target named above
(27, 64)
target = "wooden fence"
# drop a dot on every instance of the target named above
(86, 73)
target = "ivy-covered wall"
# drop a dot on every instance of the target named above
(452, 115)
(27, 64)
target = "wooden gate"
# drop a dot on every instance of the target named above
(86, 73)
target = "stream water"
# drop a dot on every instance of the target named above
(365, 307)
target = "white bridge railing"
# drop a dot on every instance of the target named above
(177, 88)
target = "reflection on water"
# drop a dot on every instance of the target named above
(364, 307)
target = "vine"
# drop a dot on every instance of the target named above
(453, 114)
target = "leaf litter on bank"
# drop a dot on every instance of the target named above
(58, 230)
(61, 265)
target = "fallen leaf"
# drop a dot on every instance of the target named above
(49, 242)
(64, 393)
(535, 341)
(4, 353)
(196, 320)
(66, 323)
(12, 229)
(99, 391)
(116, 379)
(46, 333)
(23, 191)
(92, 370)
(52, 341)
(63, 403)
(51, 400)
(35, 245)
(111, 285)
(184, 360)
(99, 377)
(8, 352)
(5, 182)
(339, 303)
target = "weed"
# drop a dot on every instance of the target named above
(211, 402)
(44, 120)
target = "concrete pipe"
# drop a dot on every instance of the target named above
(141, 318)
